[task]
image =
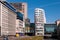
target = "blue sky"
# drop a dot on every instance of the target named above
(51, 7)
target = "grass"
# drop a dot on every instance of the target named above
(32, 38)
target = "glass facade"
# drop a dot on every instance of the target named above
(32, 27)
(49, 28)
(19, 16)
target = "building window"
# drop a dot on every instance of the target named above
(39, 30)
(39, 33)
(42, 24)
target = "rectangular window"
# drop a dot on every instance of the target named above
(39, 34)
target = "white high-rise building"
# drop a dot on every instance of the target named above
(39, 21)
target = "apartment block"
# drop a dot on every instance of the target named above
(19, 24)
(7, 19)
(39, 21)
(21, 7)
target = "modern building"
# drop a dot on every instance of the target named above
(58, 28)
(49, 29)
(32, 29)
(21, 7)
(27, 26)
(39, 21)
(7, 19)
(52, 29)
(19, 24)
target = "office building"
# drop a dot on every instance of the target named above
(52, 29)
(19, 24)
(27, 25)
(7, 19)
(39, 21)
(19, 27)
(32, 29)
(21, 7)
(49, 29)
